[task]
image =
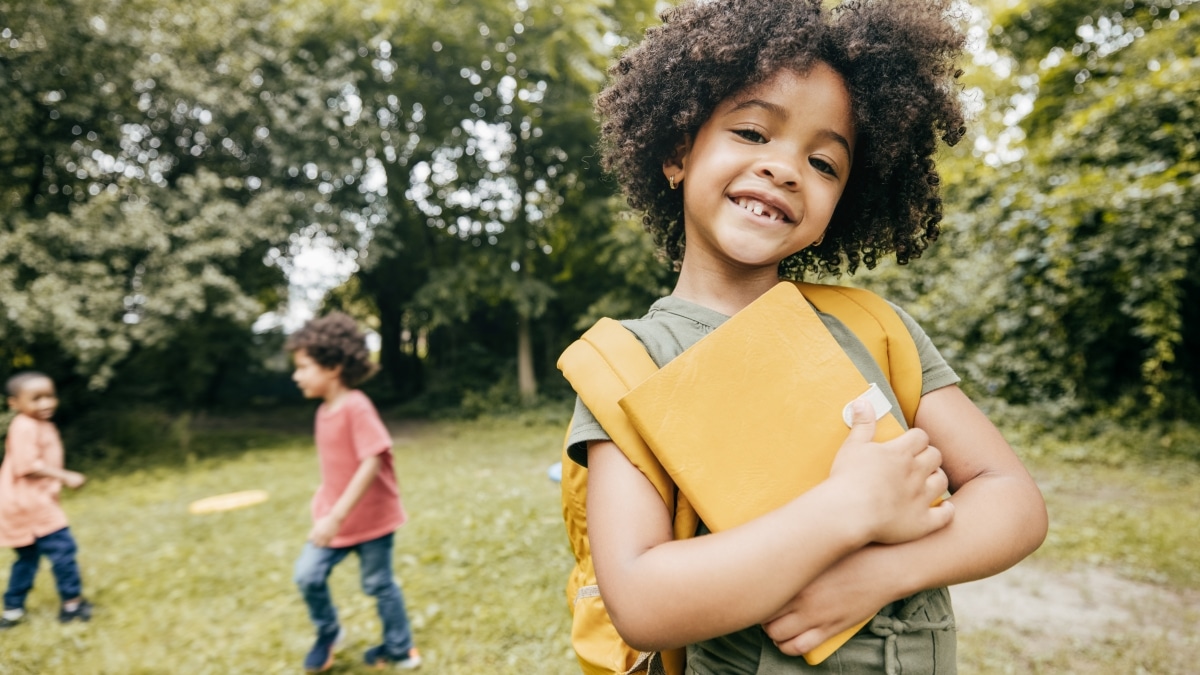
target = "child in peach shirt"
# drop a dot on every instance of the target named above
(31, 520)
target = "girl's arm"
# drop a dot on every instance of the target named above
(1000, 518)
(324, 530)
(663, 594)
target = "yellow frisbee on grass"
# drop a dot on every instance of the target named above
(228, 501)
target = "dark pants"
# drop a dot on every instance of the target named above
(60, 548)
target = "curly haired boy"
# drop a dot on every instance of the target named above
(357, 507)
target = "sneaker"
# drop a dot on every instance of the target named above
(320, 657)
(379, 657)
(82, 611)
(11, 617)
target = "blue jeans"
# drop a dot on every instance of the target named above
(60, 548)
(375, 566)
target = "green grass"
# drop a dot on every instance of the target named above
(997, 652)
(482, 560)
(1139, 519)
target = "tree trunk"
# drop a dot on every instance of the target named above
(526, 382)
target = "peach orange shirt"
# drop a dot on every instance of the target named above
(29, 504)
(346, 435)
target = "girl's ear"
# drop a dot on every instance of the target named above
(673, 166)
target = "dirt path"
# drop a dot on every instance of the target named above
(1048, 607)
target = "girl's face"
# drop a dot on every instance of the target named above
(763, 174)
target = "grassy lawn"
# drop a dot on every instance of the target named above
(482, 560)
(1138, 521)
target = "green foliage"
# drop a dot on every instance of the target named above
(147, 197)
(1068, 270)
(132, 437)
(115, 274)
(164, 161)
(497, 178)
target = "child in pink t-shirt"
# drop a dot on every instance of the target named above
(357, 508)
(31, 521)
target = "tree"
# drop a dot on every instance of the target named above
(1071, 247)
(168, 158)
(497, 171)
(154, 178)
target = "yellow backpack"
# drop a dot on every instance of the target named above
(602, 366)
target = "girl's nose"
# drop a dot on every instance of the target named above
(780, 173)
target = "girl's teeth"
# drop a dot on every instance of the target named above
(757, 208)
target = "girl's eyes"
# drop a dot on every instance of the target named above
(817, 163)
(823, 166)
(750, 135)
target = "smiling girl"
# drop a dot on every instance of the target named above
(762, 140)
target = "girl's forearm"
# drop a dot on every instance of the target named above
(999, 520)
(685, 591)
(1001, 516)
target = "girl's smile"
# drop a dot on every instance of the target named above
(764, 206)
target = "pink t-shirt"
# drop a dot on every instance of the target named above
(29, 504)
(345, 436)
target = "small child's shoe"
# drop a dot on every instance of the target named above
(11, 617)
(80, 610)
(379, 657)
(320, 657)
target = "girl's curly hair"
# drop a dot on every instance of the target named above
(897, 59)
(334, 340)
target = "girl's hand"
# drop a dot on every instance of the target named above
(841, 597)
(894, 482)
(73, 479)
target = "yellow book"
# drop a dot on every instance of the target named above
(751, 416)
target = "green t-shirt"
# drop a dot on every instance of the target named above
(917, 632)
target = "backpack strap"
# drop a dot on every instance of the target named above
(877, 325)
(611, 361)
(602, 366)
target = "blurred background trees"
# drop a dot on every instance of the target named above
(163, 163)
(1069, 268)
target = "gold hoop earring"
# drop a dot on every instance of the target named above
(671, 180)
(819, 240)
